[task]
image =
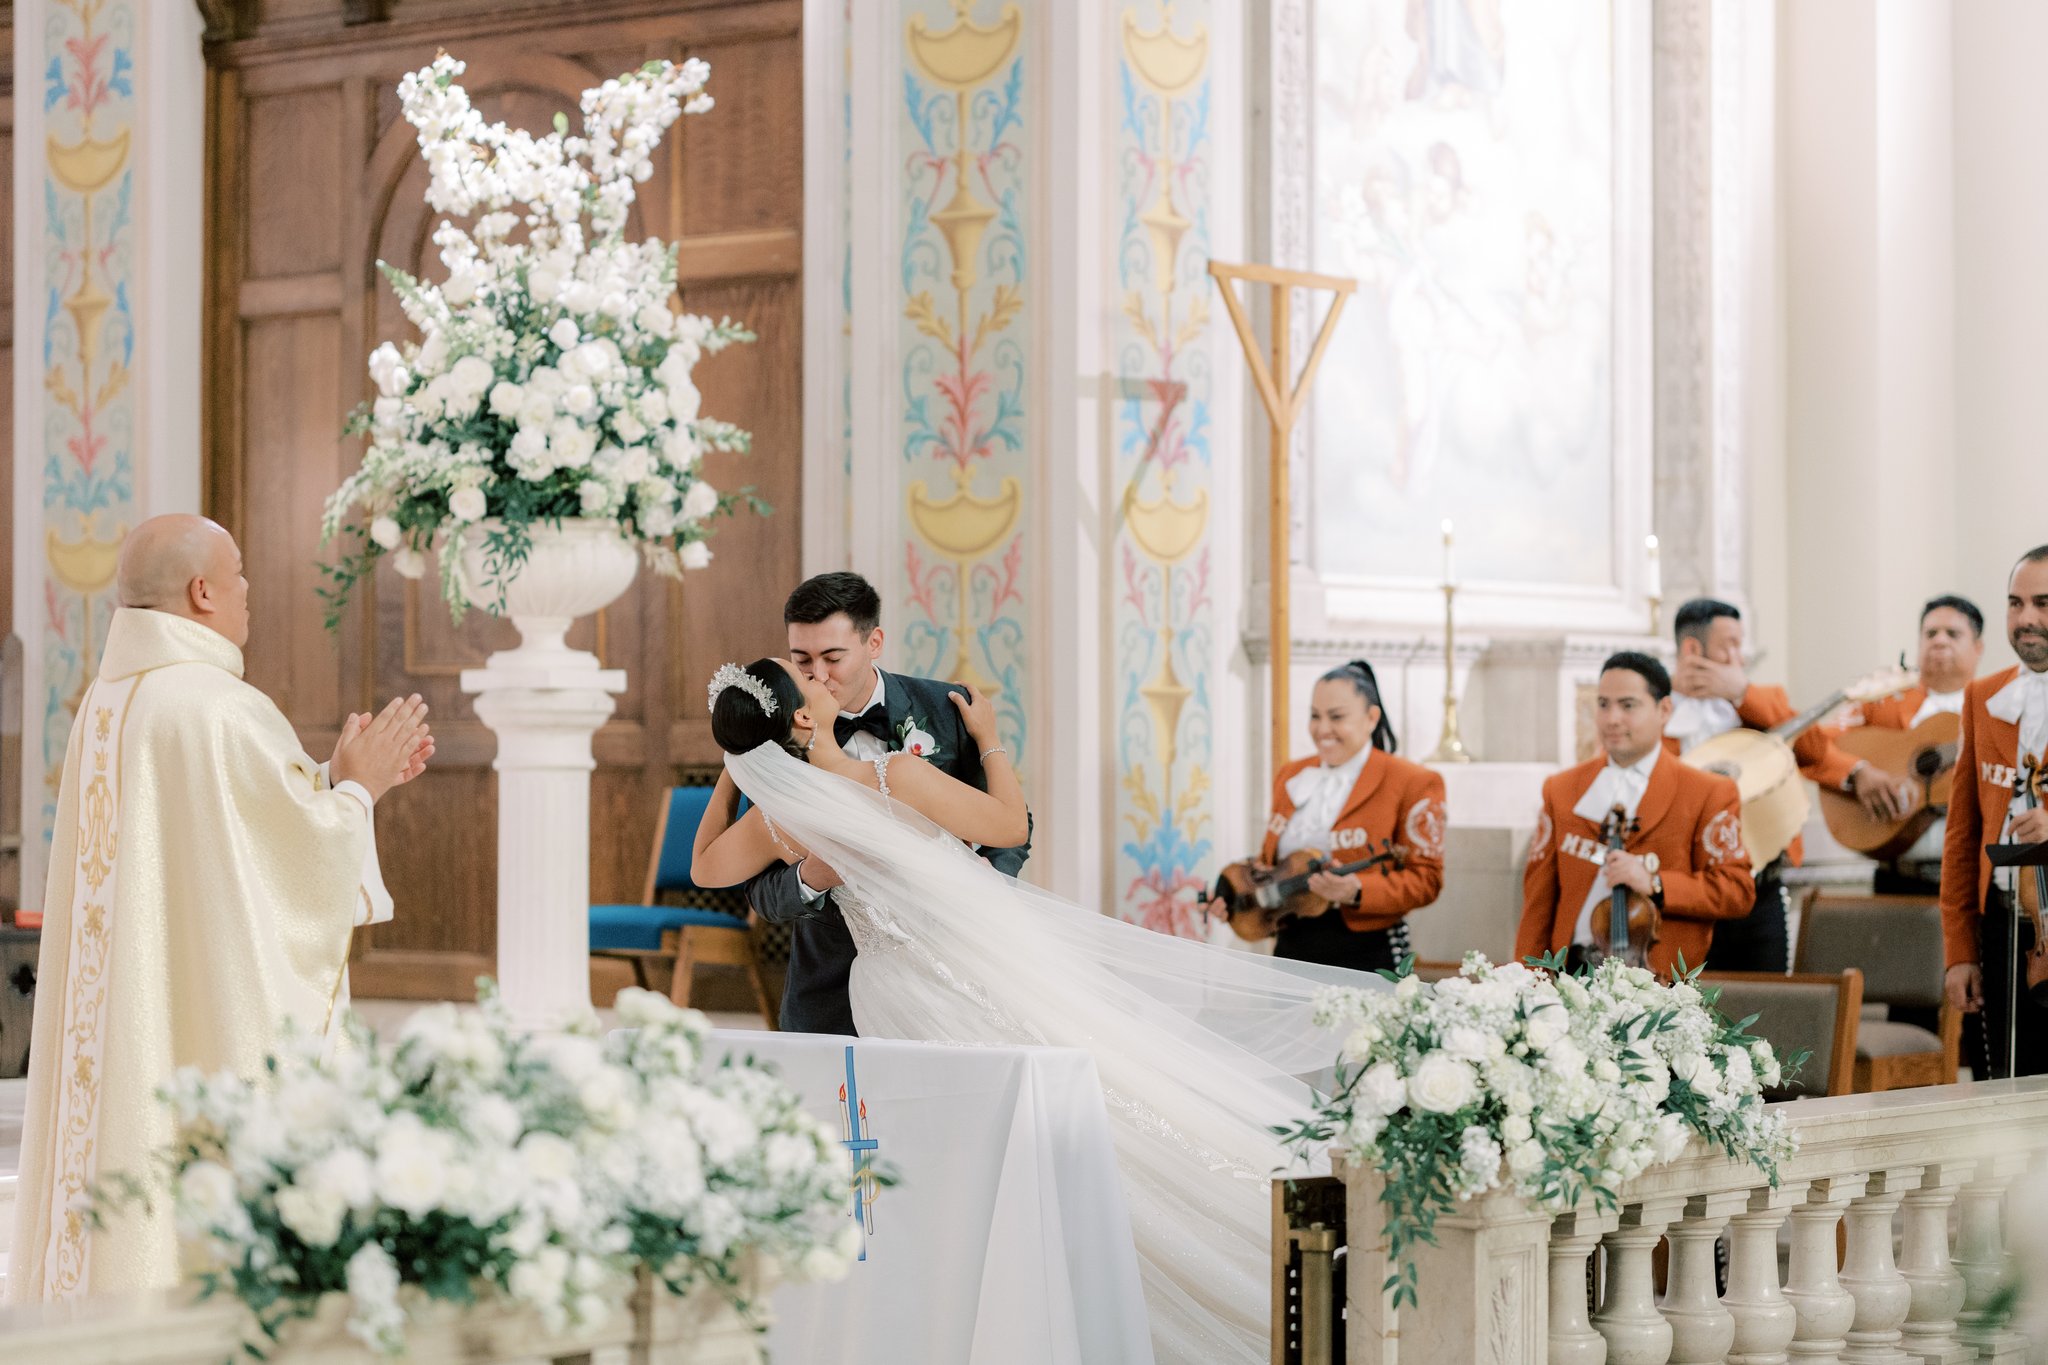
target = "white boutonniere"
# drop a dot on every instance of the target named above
(913, 738)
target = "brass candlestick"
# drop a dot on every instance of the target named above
(1451, 748)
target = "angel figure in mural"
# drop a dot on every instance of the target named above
(1460, 50)
(1199, 1048)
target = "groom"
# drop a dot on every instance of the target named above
(835, 636)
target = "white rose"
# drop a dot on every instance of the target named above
(310, 1105)
(409, 562)
(1545, 1025)
(207, 1198)
(1686, 1065)
(471, 375)
(617, 305)
(388, 370)
(543, 283)
(579, 296)
(631, 467)
(657, 521)
(565, 333)
(545, 1156)
(314, 1216)
(507, 398)
(1408, 989)
(571, 444)
(468, 504)
(656, 320)
(1466, 1044)
(386, 533)
(700, 502)
(1515, 1128)
(432, 355)
(1605, 1070)
(654, 406)
(1381, 1090)
(628, 428)
(683, 401)
(697, 555)
(1442, 1084)
(529, 444)
(1525, 1158)
(596, 497)
(595, 359)
(344, 1174)
(580, 400)
(412, 1167)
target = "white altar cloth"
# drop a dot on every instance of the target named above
(1006, 1240)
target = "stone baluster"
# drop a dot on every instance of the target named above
(1824, 1309)
(1870, 1274)
(1636, 1333)
(1980, 1256)
(1572, 1239)
(1930, 1330)
(1764, 1318)
(1702, 1329)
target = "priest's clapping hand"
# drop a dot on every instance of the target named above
(384, 750)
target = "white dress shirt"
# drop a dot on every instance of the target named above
(2023, 701)
(1319, 794)
(1615, 785)
(1695, 720)
(1927, 848)
(861, 744)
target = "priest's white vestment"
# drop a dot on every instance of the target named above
(204, 881)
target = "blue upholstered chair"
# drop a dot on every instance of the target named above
(703, 927)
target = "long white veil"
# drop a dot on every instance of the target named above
(1201, 1050)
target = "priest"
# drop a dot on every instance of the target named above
(205, 877)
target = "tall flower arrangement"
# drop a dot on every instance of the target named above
(1559, 1088)
(470, 1158)
(551, 378)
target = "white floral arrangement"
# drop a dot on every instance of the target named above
(1559, 1088)
(471, 1159)
(551, 379)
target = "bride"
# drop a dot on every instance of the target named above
(1199, 1049)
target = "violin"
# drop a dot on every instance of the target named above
(1633, 923)
(1259, 898)
(2032, 882)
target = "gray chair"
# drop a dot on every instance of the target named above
(1896, 942)
(1814, 1014)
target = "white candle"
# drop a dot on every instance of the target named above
(1656, 576)
(1449, 577)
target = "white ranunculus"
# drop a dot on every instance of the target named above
(507, 398)
(388, 371)
(468, 504)
(385, 532)
(700, 502)
(409, 562)
(695, 555)
(1442, 1084)
(315, 1216)
(595, 496)
(565, 333)
(1381, 1090)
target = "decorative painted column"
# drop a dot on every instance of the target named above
(109, 105)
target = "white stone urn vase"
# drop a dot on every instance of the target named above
(544, 701)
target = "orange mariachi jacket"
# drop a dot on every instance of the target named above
(1977, 803)
(1895, 712)
(1392, 799)
(1692, 821)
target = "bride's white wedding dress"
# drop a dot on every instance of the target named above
(1199, 1049)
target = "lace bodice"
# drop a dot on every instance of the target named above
(873, 930)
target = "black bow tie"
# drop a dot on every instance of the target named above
(873, 720)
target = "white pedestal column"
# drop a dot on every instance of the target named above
(543, 718)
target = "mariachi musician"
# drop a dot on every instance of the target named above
(1712, 694)
(1681, 847)
(1348, 800)
(1985, 933)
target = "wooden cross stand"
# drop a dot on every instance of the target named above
(1282, 408)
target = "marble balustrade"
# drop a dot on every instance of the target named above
(1911, 1185)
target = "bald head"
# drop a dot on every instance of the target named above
(190, 567)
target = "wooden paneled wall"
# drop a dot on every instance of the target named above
(312, 178)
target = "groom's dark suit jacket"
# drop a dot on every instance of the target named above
(821, 949)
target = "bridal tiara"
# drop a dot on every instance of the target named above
(732, 675)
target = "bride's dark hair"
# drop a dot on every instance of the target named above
(739, 724)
